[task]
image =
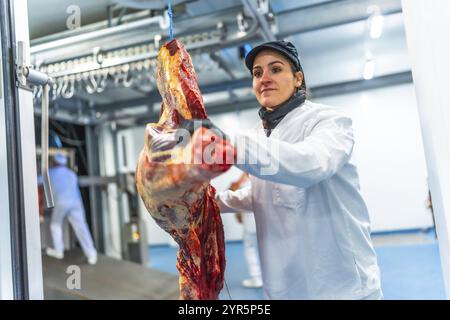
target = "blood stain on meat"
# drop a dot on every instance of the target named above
(177, 193)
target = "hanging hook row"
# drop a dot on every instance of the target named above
(93, 74)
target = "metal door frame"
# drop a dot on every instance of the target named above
(26, 260)
(6, 281)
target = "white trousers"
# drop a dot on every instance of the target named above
(77, 219)
(251, 245)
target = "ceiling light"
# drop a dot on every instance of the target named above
(369, 69)
(376, 26)
(375, 22)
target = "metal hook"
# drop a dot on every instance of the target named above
(65, 83)
(59, 87)
(116, 74)
(102, 81)
(127, 80)
(91, 84)
(69, 88)
(54, 87)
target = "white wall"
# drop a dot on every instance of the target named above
(389, 154)
(427, 26)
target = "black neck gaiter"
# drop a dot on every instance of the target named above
(271, 119)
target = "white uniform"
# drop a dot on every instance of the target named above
(251, 245)
(68, 203)
(313, 225)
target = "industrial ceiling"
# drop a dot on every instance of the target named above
(101, 53)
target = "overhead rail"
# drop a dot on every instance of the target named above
(123, 66)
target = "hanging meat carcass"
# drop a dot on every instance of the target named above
(174, 185)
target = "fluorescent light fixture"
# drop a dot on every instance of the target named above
(369, 69)
(376, 26)
(375, 21)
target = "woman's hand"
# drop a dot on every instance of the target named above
(192, 125)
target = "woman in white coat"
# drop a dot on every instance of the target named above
(312, 224)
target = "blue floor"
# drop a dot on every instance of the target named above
(407, 271)
(411, 272)
(165, 257)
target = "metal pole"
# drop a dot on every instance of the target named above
(48, 196)
(94, 191)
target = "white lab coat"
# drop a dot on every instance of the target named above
(312, 223)
(251, 243)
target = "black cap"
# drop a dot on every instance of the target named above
(286, 48)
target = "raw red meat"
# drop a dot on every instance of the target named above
(175, 188)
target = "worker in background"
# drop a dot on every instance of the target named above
(250, 240)
(312, 222)
(68, 203)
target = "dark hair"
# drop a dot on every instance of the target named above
(303, 85)
(294, 71)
